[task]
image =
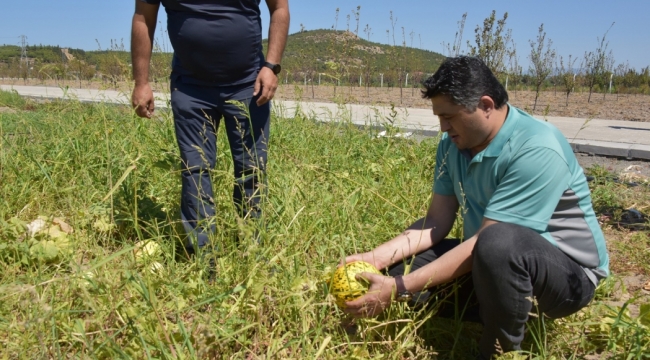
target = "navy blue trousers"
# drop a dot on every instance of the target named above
(198, 111)
(512, 265)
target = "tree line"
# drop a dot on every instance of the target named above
(46, 62)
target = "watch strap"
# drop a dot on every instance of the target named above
(274, 67)
(402, 294)
(399, 284)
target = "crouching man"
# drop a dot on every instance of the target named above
(530, 231)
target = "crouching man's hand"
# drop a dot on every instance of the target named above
(369, 257)
(376, 300)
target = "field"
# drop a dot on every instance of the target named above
(102, 179)
(612, 107)
(552, 103)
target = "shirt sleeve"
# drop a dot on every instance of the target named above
(152, 2)
(442, 183)
(530, 189)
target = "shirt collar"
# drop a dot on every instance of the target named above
(495, 146)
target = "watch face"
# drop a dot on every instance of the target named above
(406, 296)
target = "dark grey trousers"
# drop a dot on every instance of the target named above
(511, 266)
(198, 110)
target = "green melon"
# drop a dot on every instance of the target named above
(343, 284)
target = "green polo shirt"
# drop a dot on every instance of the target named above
(529, 176)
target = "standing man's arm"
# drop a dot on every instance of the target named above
(267, 81)
(142, 33)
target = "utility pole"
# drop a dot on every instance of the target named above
(23, 49)
(23, 54)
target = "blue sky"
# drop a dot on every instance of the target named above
(572, 25)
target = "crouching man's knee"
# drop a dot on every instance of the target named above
(497, 243)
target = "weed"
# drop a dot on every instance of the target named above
(332, 189)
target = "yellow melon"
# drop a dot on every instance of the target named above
(147, 250)
(344, 286)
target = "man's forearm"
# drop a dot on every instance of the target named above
(141, 45)
(421, 235)
(449, 266)
(452, 264)
(278, 30)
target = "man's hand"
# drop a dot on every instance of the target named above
(265, 85)
(376, 300)
(368, 257)
(142, 32)
(142, 100)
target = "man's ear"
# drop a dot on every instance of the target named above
(486, 104)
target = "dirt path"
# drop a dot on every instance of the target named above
(550, 103)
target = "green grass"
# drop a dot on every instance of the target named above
(333, 190)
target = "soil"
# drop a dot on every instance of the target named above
(616, 166)
(550, 103)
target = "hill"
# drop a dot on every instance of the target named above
(346, 57)
(339, 56)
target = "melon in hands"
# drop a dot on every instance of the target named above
(345, 287)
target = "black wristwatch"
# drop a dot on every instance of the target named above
(403, 295)
(276, 68)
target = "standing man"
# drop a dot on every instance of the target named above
(530, 233)
(217, 59)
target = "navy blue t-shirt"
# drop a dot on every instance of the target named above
(217, 42)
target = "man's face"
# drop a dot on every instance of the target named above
(467, 130)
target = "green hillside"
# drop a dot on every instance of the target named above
(338, 56)
(346, 56)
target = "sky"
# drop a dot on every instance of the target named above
(574, 26)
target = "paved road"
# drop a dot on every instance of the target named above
(625, 139)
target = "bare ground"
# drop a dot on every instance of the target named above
(616, 166)
(550, 103)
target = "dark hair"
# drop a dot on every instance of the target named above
(465, 80)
